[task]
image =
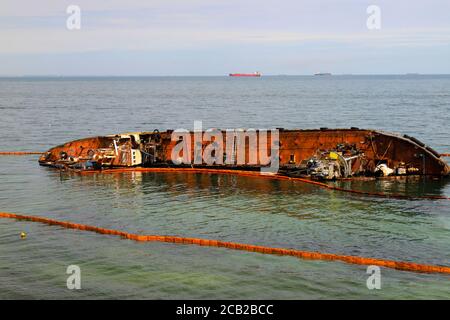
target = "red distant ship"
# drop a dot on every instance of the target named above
(255, 74)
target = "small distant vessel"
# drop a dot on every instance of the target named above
(322, 74)
(254, 74)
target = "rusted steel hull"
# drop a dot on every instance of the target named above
(321, 154)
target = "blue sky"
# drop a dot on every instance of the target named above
(215, 37)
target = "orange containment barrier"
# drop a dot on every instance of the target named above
(244, 173)
(405, 266)
(445, 154)
(18, 153)
(257, 174)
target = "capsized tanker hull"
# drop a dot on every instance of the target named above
(326, 154)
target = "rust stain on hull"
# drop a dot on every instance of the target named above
(324, 154)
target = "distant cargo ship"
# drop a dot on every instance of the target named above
(322, 74)
(254, 74)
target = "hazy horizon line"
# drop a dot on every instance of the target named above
(216, 75)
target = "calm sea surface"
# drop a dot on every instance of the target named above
(38, 113)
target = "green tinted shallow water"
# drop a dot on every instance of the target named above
(230, 208)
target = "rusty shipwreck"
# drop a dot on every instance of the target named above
(322, 154)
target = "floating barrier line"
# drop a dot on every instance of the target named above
(310, 255)
(18, 153)
(267, 176)
(245, 173)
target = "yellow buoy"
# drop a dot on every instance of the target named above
(23, 235)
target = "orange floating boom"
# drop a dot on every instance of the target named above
(18, 153)
(258, 175)
(242, 173)
(399, 265)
